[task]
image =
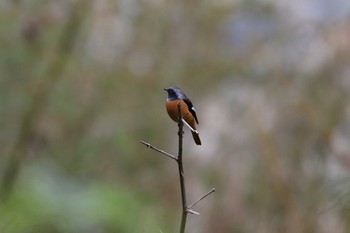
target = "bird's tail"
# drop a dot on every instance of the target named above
(196, 137)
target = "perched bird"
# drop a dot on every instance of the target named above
(176, 95)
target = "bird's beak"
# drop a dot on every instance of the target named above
(166, 89)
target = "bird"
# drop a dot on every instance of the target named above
(175, 96)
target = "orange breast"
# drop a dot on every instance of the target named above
(171, 107)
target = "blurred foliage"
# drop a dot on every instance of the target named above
(57, 203)
(81, 83)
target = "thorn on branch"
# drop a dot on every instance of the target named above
(192, 212)
(188, 125)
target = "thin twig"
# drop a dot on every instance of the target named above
(204, 196)
(159, 150)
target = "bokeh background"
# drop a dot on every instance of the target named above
(82, 82)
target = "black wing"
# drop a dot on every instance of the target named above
(191, 108)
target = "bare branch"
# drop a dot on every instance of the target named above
(181, 171)
(185, 209)
(159, 150)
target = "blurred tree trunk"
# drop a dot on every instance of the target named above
(53, 73)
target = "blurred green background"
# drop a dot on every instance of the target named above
(81, 83)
